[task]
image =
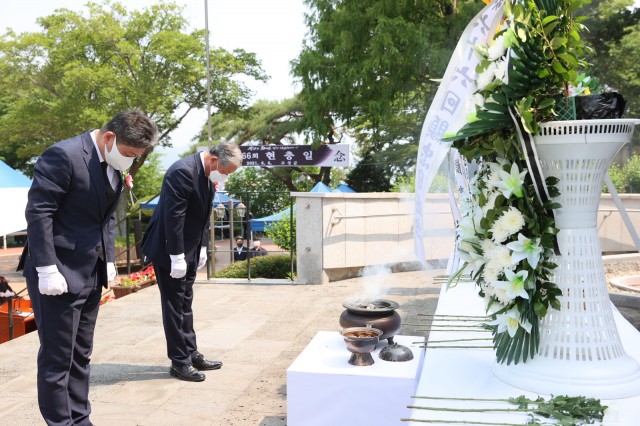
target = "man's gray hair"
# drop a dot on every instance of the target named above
(228, 154)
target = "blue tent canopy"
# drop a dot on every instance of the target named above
(217, 199)
(343, 188)
(258, 225)
(14, 188)
(321, 187)
(10, 178)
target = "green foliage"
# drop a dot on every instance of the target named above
(626, 179)
(282, 233)
(440, 184)
(148, 180)
(614, 33)
(373, 59)
(369, 70)
(83, 67)
(259, 190)
(276, 266)
(369, 176)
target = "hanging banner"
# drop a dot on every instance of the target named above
(447, 111)
(333, 155)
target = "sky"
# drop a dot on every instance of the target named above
(272, 29)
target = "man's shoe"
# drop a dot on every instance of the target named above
(201, 363)
(186, 372)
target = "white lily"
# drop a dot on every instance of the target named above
(526, 248)
(512, 183)
(510, 321)
(515, 284)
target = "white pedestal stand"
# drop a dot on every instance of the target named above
(580, 350)
(324, 389)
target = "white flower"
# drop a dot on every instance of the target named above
(511, 183)
(490, 273)
(500, 292)
(525, 248)
(497, 49)
(514, 285)
(501, 71)
(513, 220)
(499, 233)
(510, 321)
(499, 256)
(486, 76)
(467, 227)
(508, 224)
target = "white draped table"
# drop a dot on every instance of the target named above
(323, 389)
(467, 372)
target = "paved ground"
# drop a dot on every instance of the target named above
(256, 329)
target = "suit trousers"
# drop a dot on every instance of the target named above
(176, 298)
(66, 325)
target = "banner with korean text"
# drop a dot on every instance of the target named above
(331, 155)
(448, 109)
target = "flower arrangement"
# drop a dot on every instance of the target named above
(136, 278)
(106, 299)
(506, 236)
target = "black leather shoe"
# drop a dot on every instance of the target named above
(201, 363)
(186, 372)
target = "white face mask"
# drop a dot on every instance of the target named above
(216, 176)
(115, 159)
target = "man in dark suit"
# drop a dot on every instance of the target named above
(176, 242)
(240, 252)
(69, 255)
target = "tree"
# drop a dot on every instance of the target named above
(79, 71)
(374, 66)
(614, 33)
(277, 123)
(258, 190)
(148, 180)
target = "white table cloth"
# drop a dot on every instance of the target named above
(324, 389)
(467, 373)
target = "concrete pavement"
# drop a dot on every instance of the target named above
(256, 329)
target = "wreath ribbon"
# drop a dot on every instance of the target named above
(533, 165)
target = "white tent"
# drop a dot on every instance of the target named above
(14, 187)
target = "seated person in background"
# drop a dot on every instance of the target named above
(240, 252)
(5, 290)
(257, 249)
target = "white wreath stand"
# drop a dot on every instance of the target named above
(580, 350)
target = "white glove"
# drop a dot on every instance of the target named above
(203, 257)
(111, 271)
(50, 281)
(178, 265)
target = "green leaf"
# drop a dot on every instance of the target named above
(540, 309)
(557, 67)
(558, 42)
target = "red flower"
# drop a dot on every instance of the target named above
(129, 181)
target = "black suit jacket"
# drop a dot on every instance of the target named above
(237, 256)
(180, 222)
(68, 220)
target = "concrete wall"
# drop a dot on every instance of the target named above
(338, 234)
(614, 235)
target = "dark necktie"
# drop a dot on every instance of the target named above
(111, 194)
